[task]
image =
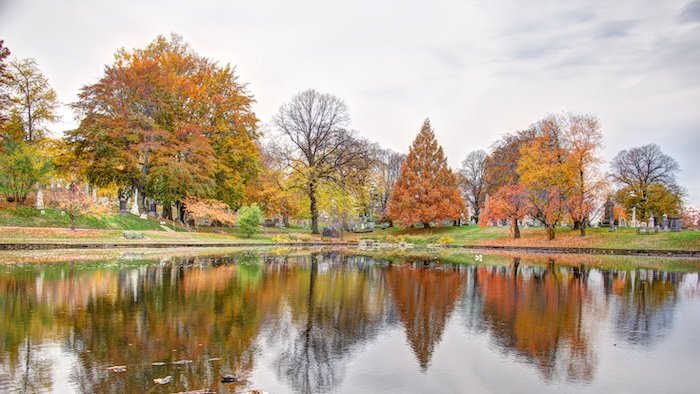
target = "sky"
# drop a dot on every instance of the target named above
(478, 69)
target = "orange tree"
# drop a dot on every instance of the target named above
(426, 190)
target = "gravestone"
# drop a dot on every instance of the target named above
(664, 222)
(39, 198)
(122, 206)
(676, 224)
(651, 221)
(330, 232)
(634, 217)
(135, 205)
(608, 215)
(152, 209)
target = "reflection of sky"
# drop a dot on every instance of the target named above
(374, 355)
(467, 360)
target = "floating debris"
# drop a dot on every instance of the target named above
(164, 380)
(201, 391)
(215, 359)
(117, 368)
(158, 364)
(182, 362)
(228, 378)
(257, 391)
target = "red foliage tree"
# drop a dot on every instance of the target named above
(426, 190)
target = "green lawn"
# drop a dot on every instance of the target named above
(30, 217)
(623, 238)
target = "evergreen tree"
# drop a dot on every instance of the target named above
(426, 190)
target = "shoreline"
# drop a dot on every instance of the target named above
(28, 246)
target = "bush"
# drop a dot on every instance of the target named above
(133, 235)
(249, 219)
(445, 240)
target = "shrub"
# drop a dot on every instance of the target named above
(249, 219)
(133, 235)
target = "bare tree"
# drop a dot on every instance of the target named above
(389, 168)
(472, 176)
(641, 170)
(317, 146)
(33, 100)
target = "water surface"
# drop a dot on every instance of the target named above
(337, 322)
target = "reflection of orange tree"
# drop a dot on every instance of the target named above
(540, 317)
(424, 298)
(136, 316)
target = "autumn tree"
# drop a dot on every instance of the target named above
(583, 140)
(32, 99)
(273, 190)
(507, 198)
(472, 179)
(22, 166)
(208, 211)
(426, 190)
(647, 180)
(543, 173)
(317, 147)
(75, 202)
(509, 202)
(164, 118)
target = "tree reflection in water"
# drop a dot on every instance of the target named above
(315, 312)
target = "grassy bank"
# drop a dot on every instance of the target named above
(30, 225)
(624, 238)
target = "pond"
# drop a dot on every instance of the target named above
(336, 321)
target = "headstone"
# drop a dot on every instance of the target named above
(676, 224)
(634, 217)
(651, 221)
(152, 209)
(664, 221)
(135, 205)
(143, 216)
(608, 215)
(330, 232)
(39, 198)
(122, 206)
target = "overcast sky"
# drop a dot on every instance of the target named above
(476, 68)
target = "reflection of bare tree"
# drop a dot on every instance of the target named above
(538, 314)
(333, 314)
(425, 299)
(647, 302)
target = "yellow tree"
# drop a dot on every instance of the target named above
(426, 191)
(543, 172)
(584, 140)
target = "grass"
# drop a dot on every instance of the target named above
(30, 217)
(29, 225)
(623, 238)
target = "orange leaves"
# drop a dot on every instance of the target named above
(426, 191)
(206, 211)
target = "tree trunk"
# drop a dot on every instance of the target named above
(141, 201)
(72, 222)
(577, 224)
(551, 231)
(285, 219)
(582, 228)
(514, 229)
(167, 211)
(313, 207)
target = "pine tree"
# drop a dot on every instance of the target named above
(426, 190)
